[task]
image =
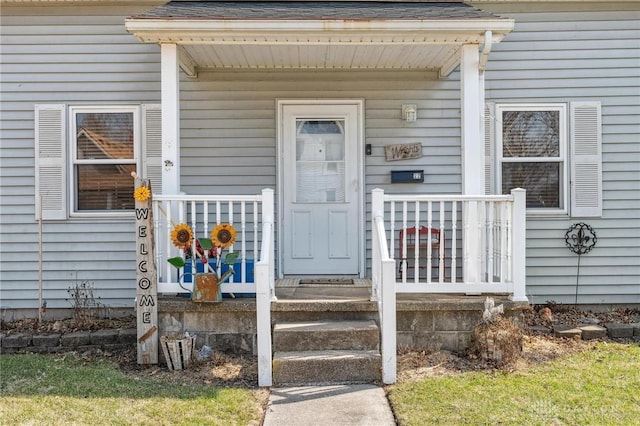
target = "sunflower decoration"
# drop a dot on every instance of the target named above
(207, 250)
(141, 193)
(223, 235)
(181, 236)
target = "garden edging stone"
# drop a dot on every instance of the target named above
(46, 340)
(618, 331)
(16, 341)
(107, 340)
(77, 338)
(104, 337)
(592, 331)
(562, 330)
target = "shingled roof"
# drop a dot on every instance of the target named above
(320, 10)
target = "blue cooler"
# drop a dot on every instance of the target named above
(237, 275)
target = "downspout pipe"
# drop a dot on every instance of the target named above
(484, 56)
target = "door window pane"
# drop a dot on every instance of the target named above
(320, 156)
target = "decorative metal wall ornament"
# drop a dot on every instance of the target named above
(581, 239)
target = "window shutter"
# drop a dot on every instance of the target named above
(586, 159)
(152, 145)
(50, 162)
(489, 142)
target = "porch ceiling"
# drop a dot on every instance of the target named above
(318, 35)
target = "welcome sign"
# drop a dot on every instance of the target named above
(146, 282)
(402, 151)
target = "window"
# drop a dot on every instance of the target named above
(105, 145)
(552, 150)
(84, 156)
(532, 153)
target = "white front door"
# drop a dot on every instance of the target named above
(321, 219)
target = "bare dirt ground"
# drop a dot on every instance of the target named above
(224, 369)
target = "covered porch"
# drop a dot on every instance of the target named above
(474, 243)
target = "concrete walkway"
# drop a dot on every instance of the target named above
(329, 405)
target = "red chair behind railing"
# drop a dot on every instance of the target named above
(408, 257)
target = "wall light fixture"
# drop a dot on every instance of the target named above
(409, 112)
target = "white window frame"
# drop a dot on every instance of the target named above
(563, 150)
(137, 147)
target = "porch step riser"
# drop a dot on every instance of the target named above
(326, 335)
(324, 351)
(321, 367)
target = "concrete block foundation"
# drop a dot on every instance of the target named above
(424, 322)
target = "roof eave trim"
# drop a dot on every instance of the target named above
(212, 31)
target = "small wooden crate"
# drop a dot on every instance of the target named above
(178, 351)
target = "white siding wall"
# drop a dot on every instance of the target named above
(64, 58)
(562, 57)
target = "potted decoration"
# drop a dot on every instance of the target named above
(206, 284)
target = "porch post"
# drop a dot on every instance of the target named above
(383, 288)
(377, 209)
(472, 146)
(388, 321)
(265, 291)
(472, 156)
(268, 215)
(170, 100)
(519, 230)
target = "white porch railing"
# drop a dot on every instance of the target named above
(465, 244)
(444, 244)
(255, 241)
(202, 213)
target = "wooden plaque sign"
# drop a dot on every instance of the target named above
(402, 151)
(146, 280)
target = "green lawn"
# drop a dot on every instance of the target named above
(600, 386)
(48, 389)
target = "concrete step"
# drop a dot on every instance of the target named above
(321, 367)
(326, 335)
